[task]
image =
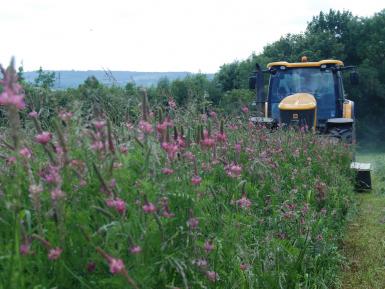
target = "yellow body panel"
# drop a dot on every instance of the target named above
(306, 64)
(347, 109)
(298, 101)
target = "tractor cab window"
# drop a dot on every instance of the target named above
(319, 83)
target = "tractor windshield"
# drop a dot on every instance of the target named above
(319, 83)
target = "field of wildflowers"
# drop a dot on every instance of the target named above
(175, 199)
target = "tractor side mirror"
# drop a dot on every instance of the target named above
(354, 78)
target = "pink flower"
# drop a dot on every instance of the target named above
(91, 266)
(233, 170)
(167, 214)
(233, 127)
(135, 249)
(65, 115)
(212, 276)
(244, 266)
(57, 194)
(238, 147)
(10, 160)
(35, 190)
(99, 124)
(12, 93)
(25, 249)
(54, 253)
(181, 142)
(116, 265)
(51, 174)
(193, 223)
(196, 180)
(118, 204)
(243, 202)
(145, 127)
(25, 152)
(208, 142)
(167, 171)
(221, 137)
(213, 114)
(171, 149)
(123, 149)
(97, 145)
(33, 114)
(245, 109)
(44, 137)
(161, 127)
(189, 155)
(149, 208)
(172, 103)
(208, 246)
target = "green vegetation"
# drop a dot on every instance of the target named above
(172, 187)
(174, 198)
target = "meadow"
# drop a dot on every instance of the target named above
(178, 197)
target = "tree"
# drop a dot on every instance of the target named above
(45, 79)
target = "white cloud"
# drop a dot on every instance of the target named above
(151, 35)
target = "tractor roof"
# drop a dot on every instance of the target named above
(306, 64)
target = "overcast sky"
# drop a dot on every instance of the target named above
(152, 35)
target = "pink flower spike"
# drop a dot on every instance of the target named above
(221, 137)
(245, 109)
(44, 137)
(233, 170)
(167, 171)
(12, 93)
(135, 249)
(149, 208)
(99, 124)
(213, 114)
(244, 266)
(65, 115)
(193, 223)
(161, 127)
(33, 114)
(10, 160)
(212, 276)
(171, 103)
(196, 180)
(25, 152)
(24, 249)
(238, 147)
(208, 246)
(243, 202)
(54, 253)
(123, 149)
(116, 266)
(145, 127)
(120, 206)
(57, 194)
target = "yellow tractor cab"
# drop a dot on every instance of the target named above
(306, 94)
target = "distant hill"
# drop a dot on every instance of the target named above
(73, 78)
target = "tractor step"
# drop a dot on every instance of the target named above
(363, 178)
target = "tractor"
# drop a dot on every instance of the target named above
(306, 94)
(309, 95)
